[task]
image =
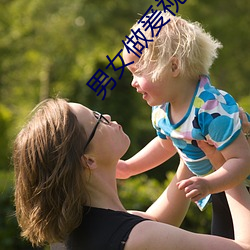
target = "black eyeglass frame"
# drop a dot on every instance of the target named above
(100, 118)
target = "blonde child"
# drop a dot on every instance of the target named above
(173, 77)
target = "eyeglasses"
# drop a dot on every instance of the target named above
(100, 118)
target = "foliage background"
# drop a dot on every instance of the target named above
(50, 48)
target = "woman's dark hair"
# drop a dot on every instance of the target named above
(49, 180)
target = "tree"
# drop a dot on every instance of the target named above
(50, 48)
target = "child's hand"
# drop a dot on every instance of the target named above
(194, 187)
(122, 170)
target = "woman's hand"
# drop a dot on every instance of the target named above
(245, 124)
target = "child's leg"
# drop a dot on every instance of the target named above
(222, 224)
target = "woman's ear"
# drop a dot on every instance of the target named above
(175, 66)
(89, 161)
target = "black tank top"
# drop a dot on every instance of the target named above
(102, 229)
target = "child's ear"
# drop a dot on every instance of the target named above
(175, 66)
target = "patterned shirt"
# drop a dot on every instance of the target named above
(213, 115)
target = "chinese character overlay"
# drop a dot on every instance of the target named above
(111, 62)
(137, 46)
(152, 21)
(166, 7)
(97, 80)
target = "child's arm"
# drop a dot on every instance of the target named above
(153, 154)
(234, 171)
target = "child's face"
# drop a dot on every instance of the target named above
(152, 92)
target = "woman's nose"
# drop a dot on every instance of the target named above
(108, 117)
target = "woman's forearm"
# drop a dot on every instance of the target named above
(171, 207)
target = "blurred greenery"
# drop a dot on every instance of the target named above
(9, 231)
(50, 48)
(139, 192)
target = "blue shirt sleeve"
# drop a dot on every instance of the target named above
(219, 120)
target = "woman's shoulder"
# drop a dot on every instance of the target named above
(110, 227)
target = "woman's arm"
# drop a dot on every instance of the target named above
(171, 207)
(160, 236)
(245, 122)
(239, 203)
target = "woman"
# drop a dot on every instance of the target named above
(65, 166)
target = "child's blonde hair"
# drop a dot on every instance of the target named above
(187, 41)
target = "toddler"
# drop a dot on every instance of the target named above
(172, 75)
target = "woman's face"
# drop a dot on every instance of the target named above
(109, 138)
